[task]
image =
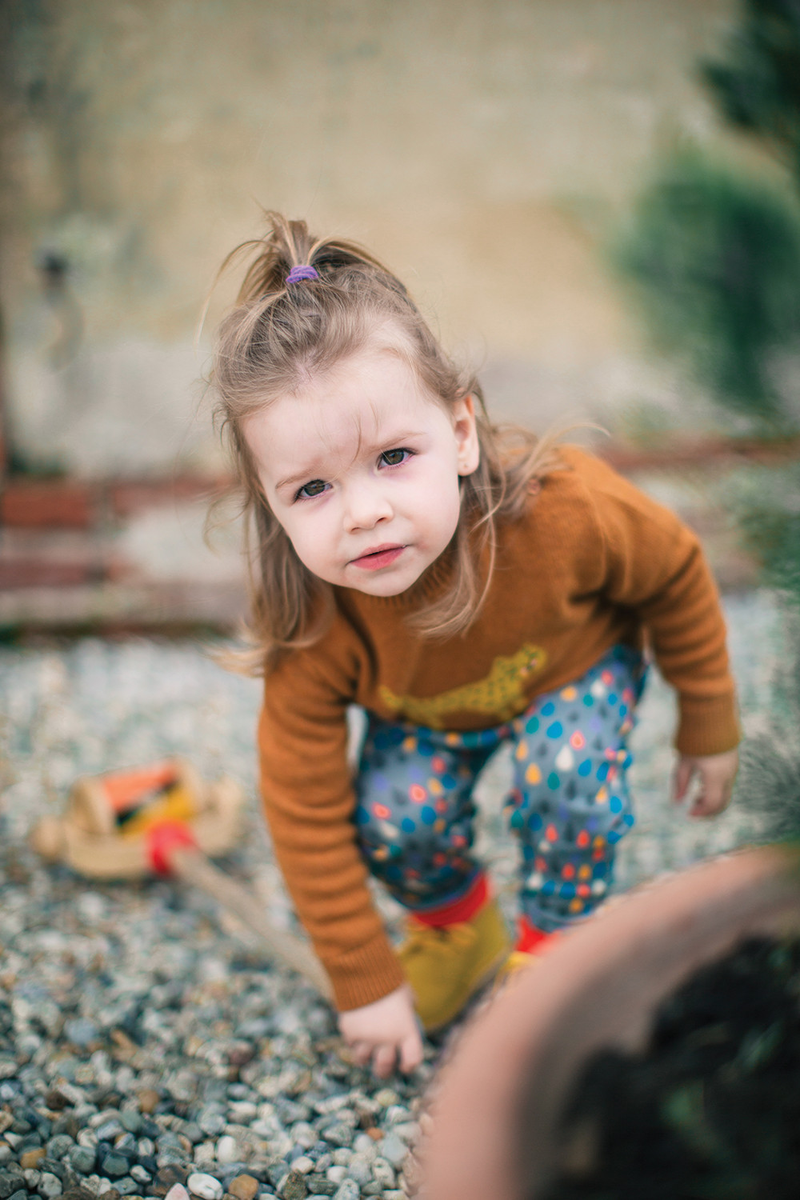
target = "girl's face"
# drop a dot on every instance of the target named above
(361, 467)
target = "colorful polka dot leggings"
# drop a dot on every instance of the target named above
(569, 805)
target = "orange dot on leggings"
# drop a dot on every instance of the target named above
(551, 833)
(583, 889)
(417, 793)
(567, 871)
(522, 750)
(582, 839)
(533, 774)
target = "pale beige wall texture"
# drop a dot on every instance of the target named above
(480, 146)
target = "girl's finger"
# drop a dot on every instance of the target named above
(683, 776)
(361, 1052)
(383, 1060)
(411, 1053)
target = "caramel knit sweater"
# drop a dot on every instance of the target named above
(592, 562)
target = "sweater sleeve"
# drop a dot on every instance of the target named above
(654, 565)
(308, 800)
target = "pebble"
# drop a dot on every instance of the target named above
(113, 1165)
(148, 1100)
(293, 1187)
(360, 1169)
(177, 1192)
(204, 1186)
(81, 1032)
(392, 1149)
(244, 1187)
(227, 1151)
(82, 1159)
(49, 1185)
(383, 1173)
(348, 1189)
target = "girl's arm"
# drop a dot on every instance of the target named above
(653, 564)
(306, 785)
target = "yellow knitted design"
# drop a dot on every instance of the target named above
(499, 695)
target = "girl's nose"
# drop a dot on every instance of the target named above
(366, 505)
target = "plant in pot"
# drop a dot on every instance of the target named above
(654, 1052)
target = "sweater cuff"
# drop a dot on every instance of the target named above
(365, 975)
(707, 726)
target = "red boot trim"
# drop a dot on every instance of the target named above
(529, 938)
(457, 911)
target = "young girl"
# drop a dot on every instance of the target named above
(465, 587)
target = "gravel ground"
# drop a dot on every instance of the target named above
(144, 1040)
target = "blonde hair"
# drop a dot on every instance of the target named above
(279, 335)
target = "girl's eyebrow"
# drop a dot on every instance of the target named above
(293, 480)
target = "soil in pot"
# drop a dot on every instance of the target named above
(710, 1110)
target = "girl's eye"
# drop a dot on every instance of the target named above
(309, 490)
(393, 458)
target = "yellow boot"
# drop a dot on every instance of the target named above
(446, 965)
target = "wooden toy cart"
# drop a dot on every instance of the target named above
(165, 819)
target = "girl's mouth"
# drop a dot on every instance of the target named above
(381, 556)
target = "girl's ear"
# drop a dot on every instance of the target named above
(466, 434)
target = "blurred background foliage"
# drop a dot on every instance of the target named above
(715, 259)
(757, 83)
(712, 256)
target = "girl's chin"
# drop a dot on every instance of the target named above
(383, 583)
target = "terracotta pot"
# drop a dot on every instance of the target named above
(598, 987)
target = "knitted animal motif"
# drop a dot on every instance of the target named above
(499, 696)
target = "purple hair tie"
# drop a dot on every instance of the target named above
(297, 274)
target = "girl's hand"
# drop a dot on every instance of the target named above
(715, 772)
(383, 1030)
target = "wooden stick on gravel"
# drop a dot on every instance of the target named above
(194, 868)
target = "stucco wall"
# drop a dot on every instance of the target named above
(482, 147)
